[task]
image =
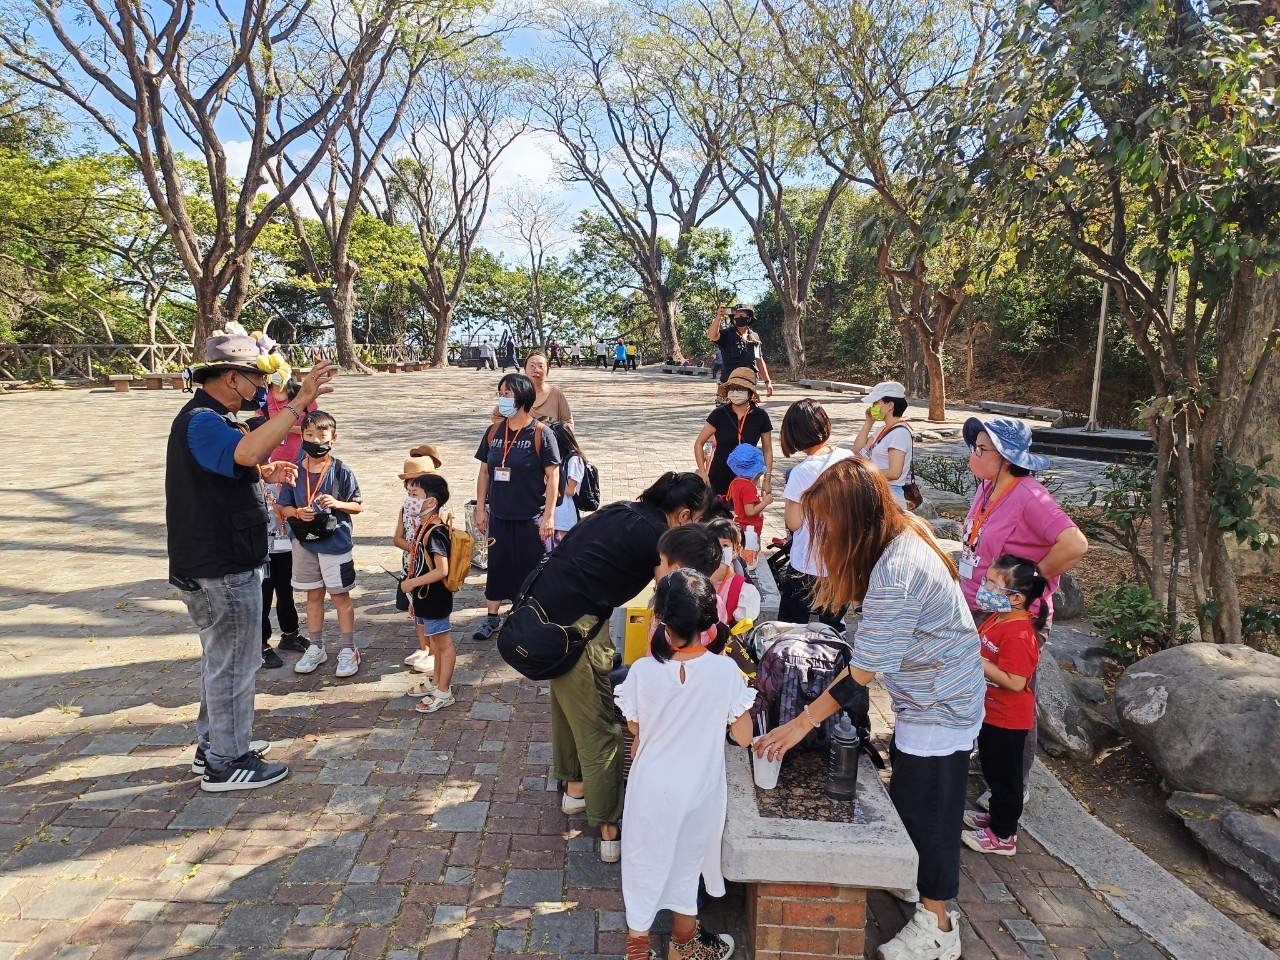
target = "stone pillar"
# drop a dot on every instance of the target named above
(805, 921)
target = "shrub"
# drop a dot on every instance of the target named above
(1133, 623)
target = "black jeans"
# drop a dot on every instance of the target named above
(928, 793)
(1000, 753)
(795, 602)
(278, 584)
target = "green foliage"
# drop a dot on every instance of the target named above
(1239, 489)
(1134, 623)
(1261, 624)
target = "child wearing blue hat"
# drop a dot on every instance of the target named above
(747, 463)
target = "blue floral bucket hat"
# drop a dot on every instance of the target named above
(746, 460)
(1011, 438)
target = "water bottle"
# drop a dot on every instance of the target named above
(842, 762)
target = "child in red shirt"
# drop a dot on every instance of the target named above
(1010, 653)
(747, 463)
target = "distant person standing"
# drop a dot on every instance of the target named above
(487, 356)
(601, 354)
(739, 344)
(631, 356)
(553, 348)
(718, 363)
(575, 355)
(509, 354)
(620, 355)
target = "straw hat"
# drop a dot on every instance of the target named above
(418, 467)
(743, 378)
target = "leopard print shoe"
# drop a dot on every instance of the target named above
(704, 945)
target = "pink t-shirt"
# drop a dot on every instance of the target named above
(291, 447)
(1025, 522)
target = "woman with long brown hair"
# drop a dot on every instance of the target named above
(917, 633)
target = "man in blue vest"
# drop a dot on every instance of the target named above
(217, 531)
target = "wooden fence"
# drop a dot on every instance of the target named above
(82, 362)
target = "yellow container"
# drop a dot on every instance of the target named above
(636, 633)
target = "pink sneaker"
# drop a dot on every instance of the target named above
(976, 819)
(984, 841)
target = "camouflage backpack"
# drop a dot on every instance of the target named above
(797, 663)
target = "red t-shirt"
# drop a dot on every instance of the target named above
(1012, 647)
(742, 492)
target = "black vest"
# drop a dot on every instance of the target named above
(217, 525)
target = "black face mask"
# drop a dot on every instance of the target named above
(742, 323)
(317, 450)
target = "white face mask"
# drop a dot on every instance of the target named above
(413, 507)
(738, 396)
(726, 553)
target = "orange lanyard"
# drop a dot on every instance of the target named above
(276, 507)
(985, 511)
(306, 480)
(742, 422)
(991, 621)
(508, 444)
(424, 527)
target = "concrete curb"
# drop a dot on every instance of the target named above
(1137, 888)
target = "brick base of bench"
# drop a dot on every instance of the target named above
(806, 921)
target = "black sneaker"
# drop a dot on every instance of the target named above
(292, 643)
(270, 659)
(488, 627)
(248, 773)
(262, 747)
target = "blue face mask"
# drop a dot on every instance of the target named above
(992, 601)
(507, 406)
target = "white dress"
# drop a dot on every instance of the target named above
(677, 793)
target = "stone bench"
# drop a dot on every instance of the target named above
(1020, 410)
(121, 382)
(835, 386)
(155, 381)
(687, 371)
(807, 880)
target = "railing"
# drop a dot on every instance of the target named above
(37, 362)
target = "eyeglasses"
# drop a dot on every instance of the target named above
(978, 450)
(986, 582)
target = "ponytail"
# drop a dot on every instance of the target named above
(721, 640)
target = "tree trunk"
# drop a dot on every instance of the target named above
(440, 342)
(665, 309)
(342, 307)
(915, 371)
(793, 314)
(209, 317)
(937, 381)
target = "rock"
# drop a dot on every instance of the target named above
(1087, 690)
(1208, 716)
(1094, 662)
(1059, 714)
(1244, 847)
(928, 436)
(1068, 600)
(927, 510)
(946, 529)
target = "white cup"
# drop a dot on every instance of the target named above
(766, 771)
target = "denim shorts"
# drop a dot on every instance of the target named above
(433, 627)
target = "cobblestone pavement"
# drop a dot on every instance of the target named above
(397, 836)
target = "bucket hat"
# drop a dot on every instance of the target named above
(227, 351)
(886, 389)
(428, 450)
(1010, 437)
(743, 378)
(746, 460)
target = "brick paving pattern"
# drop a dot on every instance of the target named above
(396, 835)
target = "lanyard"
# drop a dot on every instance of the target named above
(306, 480)
(742, 420)
(985, 511)
(992, 620)
(424, 527)
(276, 507)
(508, 444)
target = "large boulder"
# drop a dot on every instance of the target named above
(1245, 846)
(1208, 716)
(1068, 600)
(947, 529)
(1063, 725)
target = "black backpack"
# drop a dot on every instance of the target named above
(588, 496)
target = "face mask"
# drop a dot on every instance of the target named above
(992, 601)
(738, 396)
(255, 402)
(877, 412)
(726, 554)
(317, 450)
(412, 507)
(741, 322)
(507, 406)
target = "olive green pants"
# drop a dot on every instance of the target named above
(586, 743)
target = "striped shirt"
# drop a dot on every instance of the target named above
(918, 634)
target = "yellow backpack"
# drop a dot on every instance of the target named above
(461, 543)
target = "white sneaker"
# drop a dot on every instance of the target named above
(424, 664)
(348, 662)
(311, 659)
(414, 657)
(921, 939)
(610, 851)
(573, 805)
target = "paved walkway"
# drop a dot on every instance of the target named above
(396, 836)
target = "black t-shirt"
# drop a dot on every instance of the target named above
(603, 562)
(525, 494)
(438, 601)
(725, 422)
(737, 352)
